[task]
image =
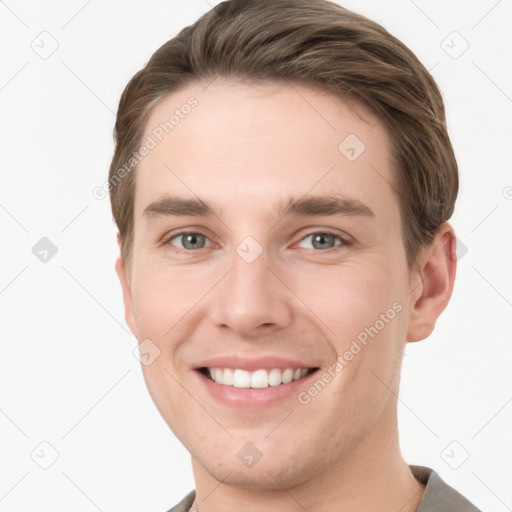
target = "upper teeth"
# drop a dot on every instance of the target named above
(257, 379)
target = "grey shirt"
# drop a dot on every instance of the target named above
(438, 495)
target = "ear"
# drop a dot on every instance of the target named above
(125, 285)
(432, 284)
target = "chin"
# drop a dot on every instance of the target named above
(264, 475)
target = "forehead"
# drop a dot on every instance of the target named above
(261, 140)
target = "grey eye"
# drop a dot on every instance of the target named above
(322, 241)
(191, 241)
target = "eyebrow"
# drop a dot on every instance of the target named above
(299, 207)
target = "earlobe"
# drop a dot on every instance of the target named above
(127, 294)
(435, 281)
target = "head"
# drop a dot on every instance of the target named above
(246, 131)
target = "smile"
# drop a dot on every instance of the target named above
(257, 379)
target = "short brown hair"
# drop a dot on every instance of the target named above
(316, 43)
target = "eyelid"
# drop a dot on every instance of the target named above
(166, 239)
(345, 239)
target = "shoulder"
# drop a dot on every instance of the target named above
(185, 504)
(438, 495)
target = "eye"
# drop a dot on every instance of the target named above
(325, 240)
(192, 240)
(189, 241)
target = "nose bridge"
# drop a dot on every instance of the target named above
(251, 295)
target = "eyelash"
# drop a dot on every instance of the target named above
(345, 242)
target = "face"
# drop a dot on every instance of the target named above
(267, 241)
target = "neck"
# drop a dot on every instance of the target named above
(372, 476)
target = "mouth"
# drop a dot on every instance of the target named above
(258, 379)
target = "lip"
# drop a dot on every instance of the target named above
(252, 364)
(253, 398)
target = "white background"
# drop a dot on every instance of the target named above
(67, 372)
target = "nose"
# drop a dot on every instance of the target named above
(252, 299)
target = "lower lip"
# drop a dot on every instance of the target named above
(254, 397)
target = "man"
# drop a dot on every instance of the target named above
(282, 181)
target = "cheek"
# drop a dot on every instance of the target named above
(363, 309)
(350, 298)
(151, 301)
(163, 296)
(169, 303)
